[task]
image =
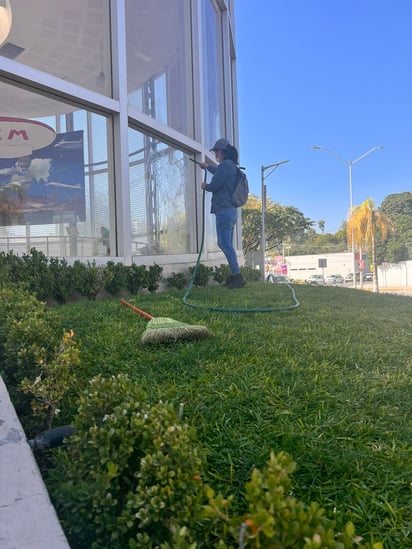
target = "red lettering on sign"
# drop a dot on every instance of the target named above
(15, 133)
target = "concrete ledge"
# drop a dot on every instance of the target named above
(27, 517)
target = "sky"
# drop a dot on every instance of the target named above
(332, 73)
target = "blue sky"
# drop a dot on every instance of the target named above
(333, 73)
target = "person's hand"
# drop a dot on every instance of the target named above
(203, 185)
(203, 165)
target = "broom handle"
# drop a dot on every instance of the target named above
(136, 310)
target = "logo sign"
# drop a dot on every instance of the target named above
(20, 136)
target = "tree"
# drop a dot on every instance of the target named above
(281, 223)
(321, 225)
(362, 227)
(398, 207)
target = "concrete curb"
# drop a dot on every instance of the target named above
(27, 517)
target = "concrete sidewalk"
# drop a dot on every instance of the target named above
(27, 518)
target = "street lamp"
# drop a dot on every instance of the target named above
(349, 163)
(263, 192)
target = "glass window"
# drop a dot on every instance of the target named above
(212, 73)
(70, 40)
(54, 177)
(159, 65)
(162, 197)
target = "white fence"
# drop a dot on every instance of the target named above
(395, 275)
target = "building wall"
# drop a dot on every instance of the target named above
(300, 267)
(390, 275)
(134, 92)
(395, 275)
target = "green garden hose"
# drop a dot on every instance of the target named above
(225, 309)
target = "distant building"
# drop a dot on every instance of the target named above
(302, 266)
(104, 105)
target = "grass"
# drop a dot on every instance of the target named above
(329, 382)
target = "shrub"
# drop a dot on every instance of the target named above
(221, 273)
(177, 280)
(154, 277)
(202, 274)
(55, 378)
(128, 476)
(61, 279)
(251, 275)
(28, 335)
(136, 278)
(37, 273)
(114, 277)
(22, 326)
(274, 517)
(11, 269)
(88, 278)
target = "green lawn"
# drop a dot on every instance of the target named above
(329, 382)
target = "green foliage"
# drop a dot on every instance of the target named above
(114, 277)
(154, 277)
(61, 279)
(275, 518)
(177, 280)
(27, 332)
(11, 269)
(329, 383)
(202, 275)
(129, 474)
(53, 277)
(36, 273)
(398, 207)
(88, 278)
(281, 223)
(25, 329)
(16, 304)
(221, 273)
(55, 378)
(249, 274)
(136, 278)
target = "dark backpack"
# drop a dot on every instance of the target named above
(241, 189)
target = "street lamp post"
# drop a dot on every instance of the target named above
(349, 163)
(263, 193)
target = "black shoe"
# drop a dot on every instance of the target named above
(237, 282)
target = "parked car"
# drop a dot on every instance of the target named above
(349, 277)
(368, 277)
(315, 279)
(334, 279)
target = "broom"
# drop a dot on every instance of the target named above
(166, 330)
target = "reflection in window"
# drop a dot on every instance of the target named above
(212, 73)
(54, 198)
(158, 49)
(70, 40)
(161, 196)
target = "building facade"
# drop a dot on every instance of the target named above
(105, 104)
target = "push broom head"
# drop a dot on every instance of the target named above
(167, 330)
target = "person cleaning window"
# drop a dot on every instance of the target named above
(221, 186)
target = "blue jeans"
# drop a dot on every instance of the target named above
(225, 226)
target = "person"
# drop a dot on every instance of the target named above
(73, 233)
(221, 186)
(105, 238)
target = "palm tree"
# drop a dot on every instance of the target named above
(362, 226)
